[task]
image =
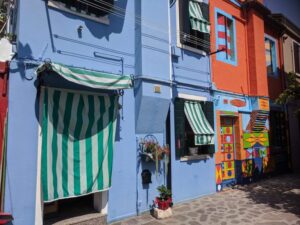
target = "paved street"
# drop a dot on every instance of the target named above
(271, 201)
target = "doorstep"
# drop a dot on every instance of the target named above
(88, 219)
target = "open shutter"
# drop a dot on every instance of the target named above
(208, 109)
(179, 127)
(205, 36)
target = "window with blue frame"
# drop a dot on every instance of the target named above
(270, 49)
(225, 37)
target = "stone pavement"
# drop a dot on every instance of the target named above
(270, 201)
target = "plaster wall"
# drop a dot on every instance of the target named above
(190, 70)
(226, 76)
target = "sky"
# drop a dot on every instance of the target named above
(290, 8)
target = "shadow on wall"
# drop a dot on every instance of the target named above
(279, 193)
(97, 29)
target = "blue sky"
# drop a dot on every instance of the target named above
(290, 8)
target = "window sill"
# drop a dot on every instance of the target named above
(194, 157)
(61, 6)
(182, 46)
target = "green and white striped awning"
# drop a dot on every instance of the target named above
(198, 22)
(78, 133)
(204, 134)
(88, 78)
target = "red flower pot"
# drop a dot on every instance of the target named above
(163, 204)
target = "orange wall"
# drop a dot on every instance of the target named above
(249, 75)
(225, 76)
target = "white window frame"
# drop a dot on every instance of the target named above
(293, 55)
(61, 6)
(178, 43)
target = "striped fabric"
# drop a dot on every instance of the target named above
(224, 35)
(258, 120)
(196, 18)
(204, 134)
(78, 133)
(88, 78)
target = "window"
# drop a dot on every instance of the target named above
(225, 37)
(297, 57)
(194, 27)
(91, 9)
(190, 139)
(270, 48)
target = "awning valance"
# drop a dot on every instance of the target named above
(198, 22)
(78, 134)
(204, 134)
(93, 79)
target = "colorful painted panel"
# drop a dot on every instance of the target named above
(247, 168)
(227, 139)
(263, 104)
(227, 148)
(256, 140)
(268, 165)
(257, 121)
(249, 153)
(218, 174)
(228, 174)
(228, 156)
(255, 152)
(262, 152)
(228, 165)
(226, 130)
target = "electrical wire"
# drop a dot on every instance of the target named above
(193, 39)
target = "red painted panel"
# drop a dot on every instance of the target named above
(238, 103)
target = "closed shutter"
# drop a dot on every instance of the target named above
(179, 127)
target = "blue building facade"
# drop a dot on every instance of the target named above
(146, 40)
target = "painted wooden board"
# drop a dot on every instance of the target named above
(247, 168)
(256, 139)
(219, 174)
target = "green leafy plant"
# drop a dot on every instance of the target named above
(292, 91)
(164, 192)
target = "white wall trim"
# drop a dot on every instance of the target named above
(192, 97)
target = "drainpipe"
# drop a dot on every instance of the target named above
(171, 89)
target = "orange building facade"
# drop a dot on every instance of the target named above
(246, 65)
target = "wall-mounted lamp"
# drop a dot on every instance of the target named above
(79, 31)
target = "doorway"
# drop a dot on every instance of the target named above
(228, 149)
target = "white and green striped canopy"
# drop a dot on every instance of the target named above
(204, 134)
(88, 78)
(78, 133)
(196, 17)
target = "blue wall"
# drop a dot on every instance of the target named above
(191, 73)
(131, 45)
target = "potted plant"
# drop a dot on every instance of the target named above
(164, 201)
(153, 151)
